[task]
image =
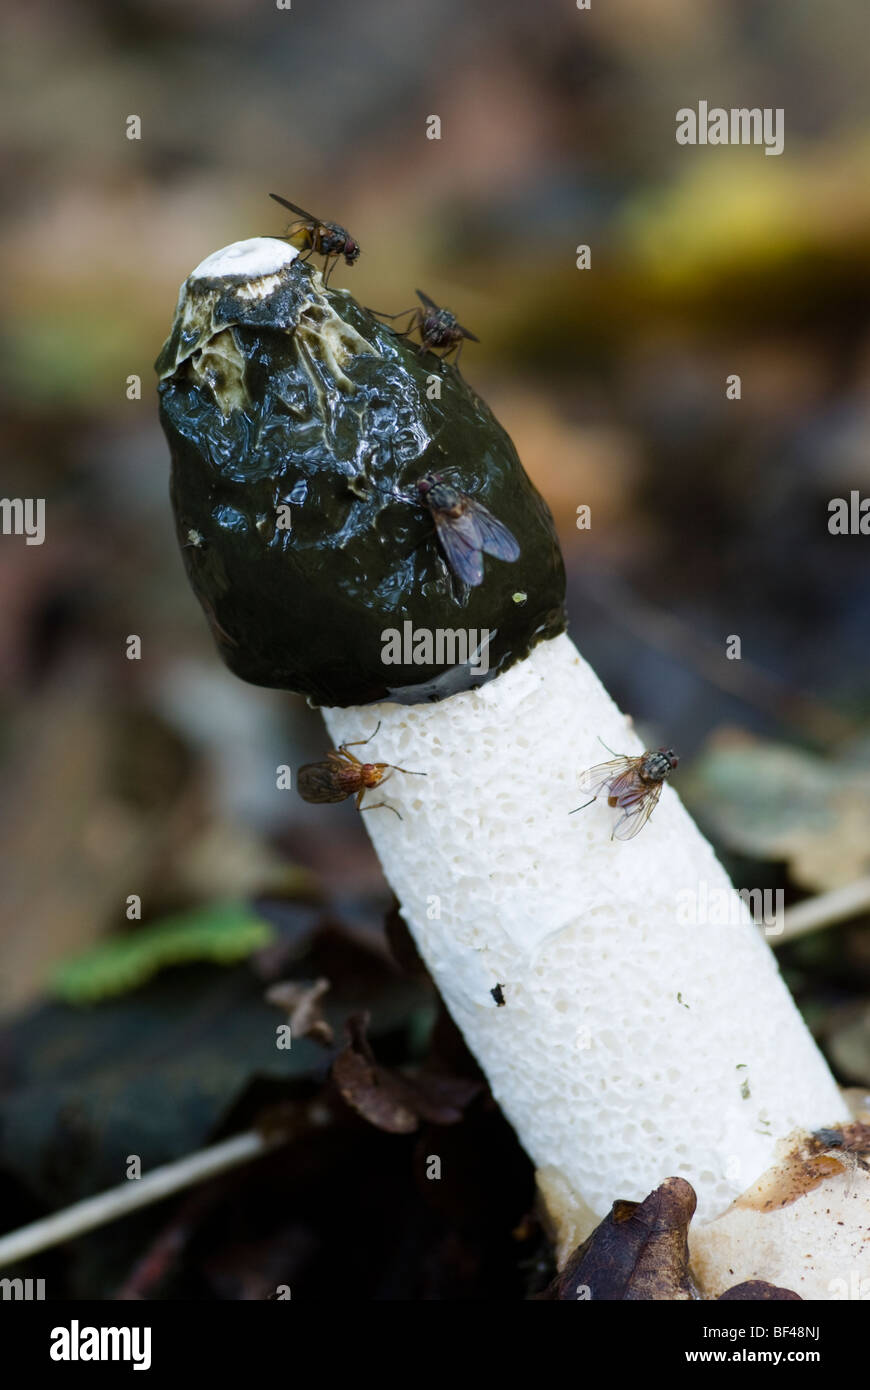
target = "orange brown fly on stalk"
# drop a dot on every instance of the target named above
(342, 774)
(439, 328)
(634, 786)
(316, 237)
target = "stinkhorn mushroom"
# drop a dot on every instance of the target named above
(624, 1043)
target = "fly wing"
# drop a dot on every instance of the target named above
(467, 334)
(320, 782)
(594, 778)
(424, 299)
(494, 537)
(635, 817)
(461, 542)
(300, 212)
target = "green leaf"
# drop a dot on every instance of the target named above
(220, 932)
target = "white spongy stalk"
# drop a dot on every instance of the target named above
(632, 1045)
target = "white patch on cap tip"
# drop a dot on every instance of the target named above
(254, 258)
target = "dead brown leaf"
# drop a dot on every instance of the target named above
(638, 1252)
(757, 1291)
(389, 1100)
(301, 1000)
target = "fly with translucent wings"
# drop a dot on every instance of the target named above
(314, 236)
(634, 785)
(466, 529)
(439, 329)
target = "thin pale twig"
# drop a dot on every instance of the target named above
(131, 1195)
(825, 910)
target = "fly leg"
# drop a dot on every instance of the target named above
(399, 333)
(378, 804)
(358, 743)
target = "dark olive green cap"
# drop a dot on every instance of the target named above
(293, 417)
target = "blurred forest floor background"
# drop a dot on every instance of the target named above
(709, 516)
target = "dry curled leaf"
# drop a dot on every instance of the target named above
(389, 1100)
(757, 1291)
(638, 1252)
(301, 1000)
